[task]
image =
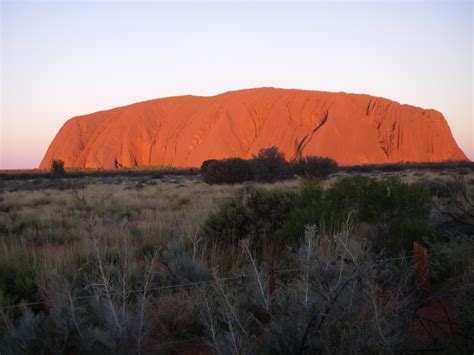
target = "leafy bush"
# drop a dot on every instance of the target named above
(402, 233)
(17, 280)
(57, 167)
(361, 195)
(229, 171)
(252, 213)
(308, 209)
(398, 210)
(314, 166)
(269, 165)
(386, 203)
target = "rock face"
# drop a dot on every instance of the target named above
(186, 130)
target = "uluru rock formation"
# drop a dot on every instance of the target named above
(184, 131)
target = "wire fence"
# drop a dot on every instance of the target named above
(225, 279)
(160, 288)
(233, 280)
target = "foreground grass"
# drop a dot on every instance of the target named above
(116, 240)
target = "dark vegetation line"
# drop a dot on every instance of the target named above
(158, 172)
(269, 165)
(153, 173)
(448, 165)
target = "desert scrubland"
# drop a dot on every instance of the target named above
(166, 263)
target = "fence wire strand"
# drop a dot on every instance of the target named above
(225, 279)
(233, 280)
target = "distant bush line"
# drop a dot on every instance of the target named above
(295, 168)
(268, 165)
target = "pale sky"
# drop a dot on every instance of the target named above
(60, 60)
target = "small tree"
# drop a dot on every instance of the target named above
(57, 167)
(206, 163)
(269, 164)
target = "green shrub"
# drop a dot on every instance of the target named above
(229, 171)
(269, 165)
(379, 201)
(17, 279)
(252, 213)
(308, 210)
(361, 195)
(402, 233)
(314, 166)
(398, 210)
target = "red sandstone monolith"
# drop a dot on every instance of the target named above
(186, 130)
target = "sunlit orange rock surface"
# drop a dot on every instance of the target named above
(186, 130)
